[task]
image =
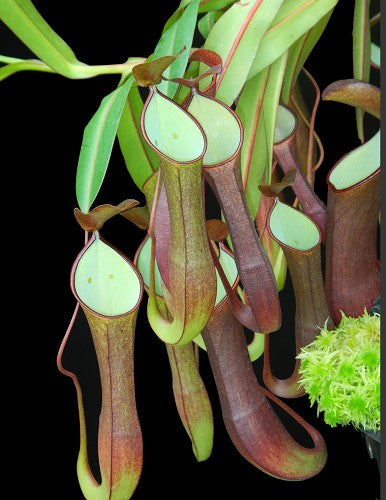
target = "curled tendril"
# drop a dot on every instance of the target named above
(311, 169)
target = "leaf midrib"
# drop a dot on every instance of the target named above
(237, 41)
(96, 145)
(286, 19)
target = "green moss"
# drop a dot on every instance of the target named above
(346, 370)
(331, 419)
(370, 358)
(340, 371)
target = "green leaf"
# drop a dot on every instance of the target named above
(257, 109)
(298, 54)
(361, 51)
(179, 35)
(176, 15)
(205, 6)
(25, 21)
(253, 151)
(140, 159)
(236, 37)
(206, 23)
(98, 140)
(24, 65)
(270, 106)
(294, 18)
(209, 5)
(312, 37)
(294, 53)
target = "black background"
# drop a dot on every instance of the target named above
(43, 117)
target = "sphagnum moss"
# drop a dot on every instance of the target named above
(340, 371)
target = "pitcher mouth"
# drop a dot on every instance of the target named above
(79, 299)
(237, 118)
(353, 186)
(169, 159)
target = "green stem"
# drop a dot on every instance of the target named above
(78, 71)
(107, 69)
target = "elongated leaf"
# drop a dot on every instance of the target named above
(294, 18)
(176, 15)
(311, 39)
(361, 51)
(253, 151)
(179, 35)
(298, 54)
(257, 109)
(98, 140)
(294, 53)
(270, 106)
(206, 23)
(140, 159)
(205, 6)
(25, 21)
(209, 5)
(236, 37)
